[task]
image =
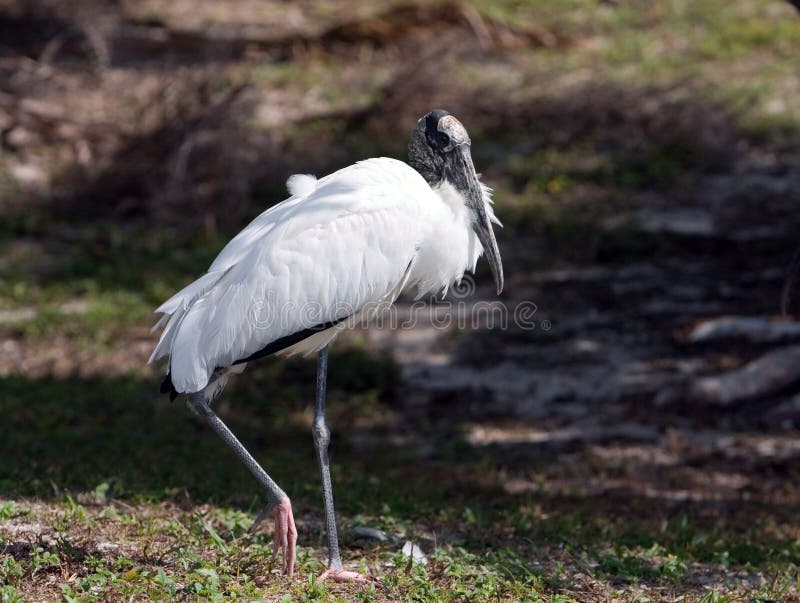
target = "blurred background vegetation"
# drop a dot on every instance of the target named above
(639, 444)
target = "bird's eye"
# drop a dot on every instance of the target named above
(442, 139)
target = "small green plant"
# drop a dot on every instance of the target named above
(7, 510)
(712, 596)
(42, 559)
(313, 591)
(9, 594)
(10, 570)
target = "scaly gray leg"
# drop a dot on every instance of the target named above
(322, 438)
(285, 530)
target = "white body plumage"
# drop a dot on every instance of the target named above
(337, 246)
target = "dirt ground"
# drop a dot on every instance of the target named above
(621, 424)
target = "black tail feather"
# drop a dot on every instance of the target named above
(168, 387)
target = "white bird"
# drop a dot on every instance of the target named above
(335, 251)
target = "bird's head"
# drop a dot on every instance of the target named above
(440, 151)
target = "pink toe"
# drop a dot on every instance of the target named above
(285, 538)
(344, 576)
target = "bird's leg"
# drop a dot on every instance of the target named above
(322, 437)
(285, 537)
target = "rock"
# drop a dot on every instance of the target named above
(756, 329)
(367, 533)
(412, 550)
(765, 376)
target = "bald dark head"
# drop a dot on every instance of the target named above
(436, 133)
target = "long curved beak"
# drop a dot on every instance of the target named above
(460, 171)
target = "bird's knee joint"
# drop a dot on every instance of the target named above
(322, 434)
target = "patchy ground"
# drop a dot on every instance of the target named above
(620, 425)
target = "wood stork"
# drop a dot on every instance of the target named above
(290, 281)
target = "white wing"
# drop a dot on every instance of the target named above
(299, 185)
(311, 260)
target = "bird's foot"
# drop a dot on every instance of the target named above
(285, 538)
(342, 575)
